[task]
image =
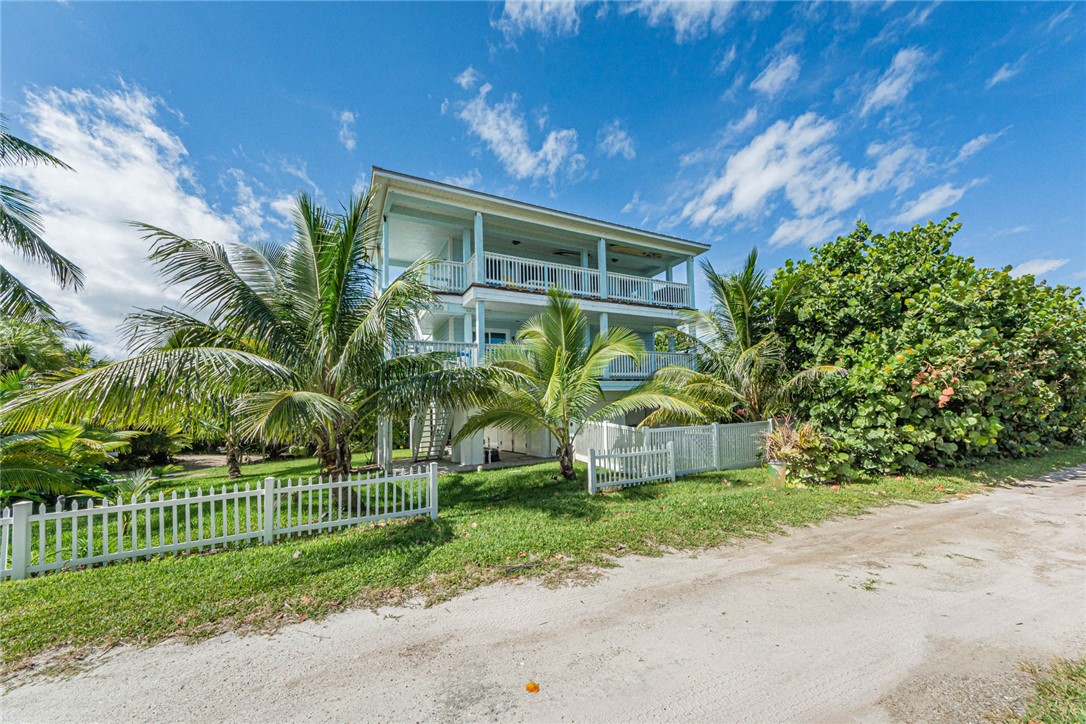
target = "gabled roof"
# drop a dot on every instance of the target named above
(381, 178)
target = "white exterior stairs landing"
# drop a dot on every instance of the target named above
(429, 433)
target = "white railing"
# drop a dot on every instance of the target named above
(511, 271)
(630, 467)
(447, 276)
(36, 539)
(698, 448)
(647, 291)
(461, 354)
(627, 368)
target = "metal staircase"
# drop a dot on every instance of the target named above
(431, 432)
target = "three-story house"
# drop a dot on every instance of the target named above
(497, 258)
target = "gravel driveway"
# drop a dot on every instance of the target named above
(906, 614)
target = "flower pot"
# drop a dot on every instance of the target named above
(778, 467)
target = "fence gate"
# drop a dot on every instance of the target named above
(694, 451)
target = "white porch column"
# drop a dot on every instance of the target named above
(584, 259)
(467, 327)
(467, 246)
(601, 260)
(669, 273)
(478, 238)
(384, 442)
(604, 323)
(480, 328)
(690, 280)
(384, 254)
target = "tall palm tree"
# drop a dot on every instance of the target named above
(742, 372)
(555, 380)
(21, 232)
(295, 337)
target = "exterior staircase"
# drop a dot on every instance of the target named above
(431, 432)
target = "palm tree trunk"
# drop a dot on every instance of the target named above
(233, 458)
(565, 460)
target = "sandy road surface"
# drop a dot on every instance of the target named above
(909, 613)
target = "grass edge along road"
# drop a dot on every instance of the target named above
(514, 522)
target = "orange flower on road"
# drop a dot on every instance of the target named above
(531, 687)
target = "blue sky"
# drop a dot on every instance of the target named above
(735, 124)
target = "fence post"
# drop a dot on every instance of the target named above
(671, 458)
(20, 538)
(269, 511)
(591, 471)
(716, 446)
(432, 481)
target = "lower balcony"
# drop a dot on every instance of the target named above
(466, 354)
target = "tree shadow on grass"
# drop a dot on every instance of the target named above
(535, 488)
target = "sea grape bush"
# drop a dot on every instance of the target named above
(948, 363)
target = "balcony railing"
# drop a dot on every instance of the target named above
(625, 368)
(457, 354)
(447, 276)
(502, 270)
(511, 271)
(647, 291)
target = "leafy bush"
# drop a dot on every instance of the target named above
(947, 362)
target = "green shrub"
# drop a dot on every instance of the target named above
(948, 362)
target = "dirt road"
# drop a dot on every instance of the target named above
(909, 613)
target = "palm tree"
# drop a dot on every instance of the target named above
(295, 338)
(21, 230)
(742, 372)
(555, 379)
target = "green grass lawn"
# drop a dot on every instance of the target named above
(494, 524)
(1059, 694)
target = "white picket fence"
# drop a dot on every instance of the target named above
(698, 448)
(621, 468)
(36, 539)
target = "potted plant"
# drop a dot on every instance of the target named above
(779, 443)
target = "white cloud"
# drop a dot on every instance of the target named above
(346, 129)
(503, 128)
(1005, 72)
(1020, 229)
(896, 82)
(942, 196)
(633, 204)
(283, 207)
(809, 231)
(468, 78)
(777, 76)
(127, 167)
(897, 27)
(546, 17)
(613, 140)
(467, 181)
(976, 145)
(690, 20)
(1057, 19)
(799, 160)
(1037, 267)
(749, 119)
(726, 61)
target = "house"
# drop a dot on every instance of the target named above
(497, 259)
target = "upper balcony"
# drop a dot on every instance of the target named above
(490, 242)
(511, 272)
